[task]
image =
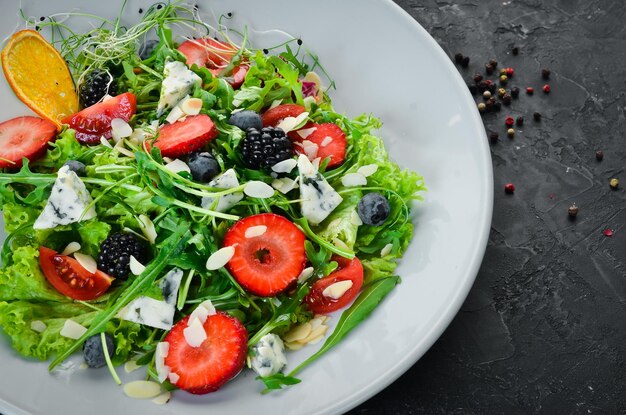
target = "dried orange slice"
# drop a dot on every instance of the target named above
(39, 76)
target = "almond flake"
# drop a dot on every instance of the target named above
(326, 141)
(276, 103)
(138, 136)
(173, 377)
(120, 128)
(258, 189)
(316, 322)
(305, 132)
(316, 162)
(131, 366)
(285, 166)
(340, 244)
(163, 398)
(299, 332)
(194, 333)
(147, 227)
(355, 219)
(294, 345)
(285, 184)
(310, 149)
(290, 123)
(136, 267)
(353, 179)
(322, 317)
(386, 250)
(319, 331)
(119, 147)
(254, 231)
(202, 312)
(191, 106)
(337, 290)
(368, 169)
(38, 326)
(142, 389)
(71, 248)
(162, 349)
(72, 330)
(175, 114)
(86, 262)
(220, 258)
(316, 340)
(105, 142)
(177, 166)
(305, 274)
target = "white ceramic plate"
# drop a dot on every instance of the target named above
(383, 63)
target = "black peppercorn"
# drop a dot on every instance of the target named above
(140, 10)
(545, 73)
(478, 77)
(515, 50)
(159, 6)
(572, 211)
(599, 155)
(519, 121)
(493, 63)
(492, 88)
(482, 86)
(515, 92)
(465, 61)
(458, 58)
(537, 116)
(489, 69)
(506, 99)
(489, 105)
(472, 88)
(493, 137)
(497, 106)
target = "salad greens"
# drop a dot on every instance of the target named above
(133, 191)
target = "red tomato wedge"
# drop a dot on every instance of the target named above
(349, 270)
(70, 278)
(95, 121)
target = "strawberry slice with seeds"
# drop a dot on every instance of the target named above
(184, 137)
(268, 258)
(219, 358)
(330, 140)
(94, 122)
(273, 116)
(24, 137)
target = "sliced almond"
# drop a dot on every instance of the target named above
(341, 244)
(220, 258)
(142, 389)
(254, 231)
(130, 366)
(310, 149)
(305, 274)
(299, 332)
(355, 219)
(319, 331)
(316, 339)
(173, 378)
(191, 106)
(276, 103)
(175, 114)
(136, 267)
(258, 189)
(147, 227)
(337, 290)
(120, 128)
(194, 333)
(316, 162)
(177, 166)
(326, 141)
(305, 132)
(285, 184)
(294, 345)
(72, 330)
(86, 262)
(71, 248)
(105, 142)
(163, 398)
(368, 169)
(290, 123)
(285, 166)
(316, 322)
(353, 179)
(386, 250)
(38, 326)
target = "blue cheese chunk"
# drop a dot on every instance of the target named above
(169, 285)
(178, 82)
(226, 180)
(318, 197)
(149, 312)
(268, 355)
(67, 203)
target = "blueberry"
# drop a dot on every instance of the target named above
(203, 166)
(147, 48)
(246, 119)
(93, 352)
(373, 209)
(76, 166)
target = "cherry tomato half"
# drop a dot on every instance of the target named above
(70, 278)
(351, 270)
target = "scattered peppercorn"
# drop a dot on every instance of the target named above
(497, 106)
(501, 92)
(493, 63)
(519, 121)
(537, 116)
(506, 99)
(493, 137)
(608, 232)
(482, 86)
(482, 107)
(509, 121)
(510, 72)
(509, 188)
(599, 155)
(515, 92)
(614, 183)
(489, 69)
(530, 90)
(572, 211)
(503, 79)
(478, 77)
(492, 87)
(515, 51)
(486, 95)
(503, 71)
(229, 14)
(36, 27)
(489, 104)
(472, 88)
(159, 6)
(510, 132)
(545, 73)
(546, 88)
(465, 61)
(458, 58)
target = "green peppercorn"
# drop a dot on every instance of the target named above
(510, 132)
(503, 79)
(614, 183)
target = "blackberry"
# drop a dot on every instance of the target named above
(96, 84)
(263, 149)
(115, 252)
(93, 352)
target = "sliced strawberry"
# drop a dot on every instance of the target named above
(207, 52)
(273, 116)
(24, 137)
(218, 359)
(184, 137)
(95, 121)
(331, 142)
(266, 263)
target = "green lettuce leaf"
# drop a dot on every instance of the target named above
(339, 224)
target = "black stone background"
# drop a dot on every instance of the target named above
(543, 329)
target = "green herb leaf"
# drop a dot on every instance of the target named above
(277, 381)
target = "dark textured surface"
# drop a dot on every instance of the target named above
(543, 329)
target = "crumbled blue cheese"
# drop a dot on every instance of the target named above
(169, 285)
(149, 312)
(318, 197)
(226, 180)
(68, 200)
(178, 82)
(268, 355)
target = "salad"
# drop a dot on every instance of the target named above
(194, 205)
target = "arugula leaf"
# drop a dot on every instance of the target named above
(277, 381)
